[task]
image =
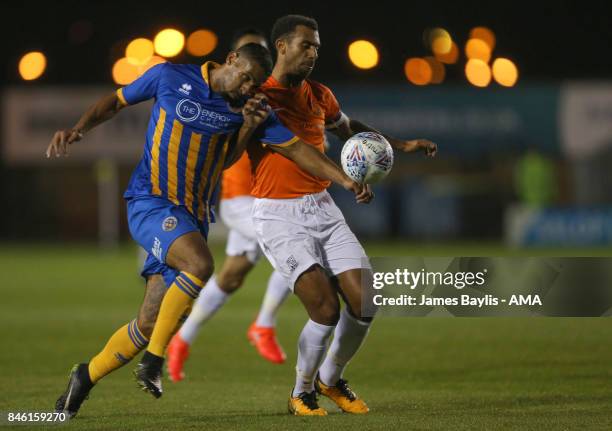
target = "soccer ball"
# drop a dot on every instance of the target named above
(367, 157)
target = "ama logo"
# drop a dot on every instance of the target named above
(525, 300)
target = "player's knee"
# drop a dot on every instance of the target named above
(229, 282)
(327, 311)
(354, 309)
(202, 268)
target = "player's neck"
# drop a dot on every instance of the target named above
(215, 79)
(285, 78)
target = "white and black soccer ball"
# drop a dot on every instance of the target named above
(367, 157)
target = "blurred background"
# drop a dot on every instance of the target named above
(518, 98)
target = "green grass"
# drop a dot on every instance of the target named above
(59, 304)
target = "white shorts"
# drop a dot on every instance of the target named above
(241, 240)
(296, 234)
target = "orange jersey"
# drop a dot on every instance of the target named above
(237, 179)
(304, 110)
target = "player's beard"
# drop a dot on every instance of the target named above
(296, 78)
(301, 73)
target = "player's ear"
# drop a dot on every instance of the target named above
(232, 57)
(281, 45)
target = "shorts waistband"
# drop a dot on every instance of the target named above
(305, 198)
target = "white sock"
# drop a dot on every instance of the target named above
(210, 300)
(276, 293)
(311, 350)
(348, 337)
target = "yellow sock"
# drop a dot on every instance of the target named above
(180, 295)
(122, 346)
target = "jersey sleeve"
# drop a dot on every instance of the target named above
(143, 88)
(331, 106)
(273, 132)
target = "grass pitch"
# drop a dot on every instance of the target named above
(59, 304)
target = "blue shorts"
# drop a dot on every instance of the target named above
(155, 223)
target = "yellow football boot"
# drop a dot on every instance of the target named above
(305, 404)
(343, 396)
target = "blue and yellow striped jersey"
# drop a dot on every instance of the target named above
(189, 136)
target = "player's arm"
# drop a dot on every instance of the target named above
(103, 110)
(318, 164)
(143, 88)
(346, 127)
(255, 112)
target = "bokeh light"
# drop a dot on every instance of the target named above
(478, 49)
(169, 42)
(438, 72)
(451, 56)
(485, 34)
(139, 51)
(201, 42)
(439, 40)
(505, 72)
(478, 72)
(363, 54)
(156, 59)
(32, 65)
(418, 71)
(124, 72)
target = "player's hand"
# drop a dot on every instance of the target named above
(62, 139)
(363, 192)
(255, 111)
(429, 148)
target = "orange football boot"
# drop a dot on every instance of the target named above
(305, 404)
(343, 396)
(264, 339)
(178, 352)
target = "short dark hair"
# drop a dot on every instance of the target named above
(259, 54)
(286, 25)
(246, 31)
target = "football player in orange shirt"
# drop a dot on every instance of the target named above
(242, 253)
(302, 231)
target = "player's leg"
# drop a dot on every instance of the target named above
(347, 260)
(319, 297)
(277, 293)
(122, 346)
(351, 330)
(178, 242)
(130, 339)
(242, 241)
(214, 295)
(349, 335)
(283, 229)
(262, 332)
(188, 254)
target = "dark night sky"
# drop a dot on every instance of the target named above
(566, 40)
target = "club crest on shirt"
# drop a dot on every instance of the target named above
(169, 223)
